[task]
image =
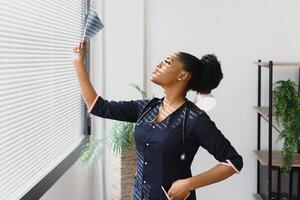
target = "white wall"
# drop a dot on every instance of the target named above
(239, 33)
(75, 184)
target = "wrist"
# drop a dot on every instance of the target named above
(190, 184)
(80, 67)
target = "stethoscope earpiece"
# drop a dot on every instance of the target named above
(205, 102)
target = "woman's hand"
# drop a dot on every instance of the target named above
(180, 190)
(79, 53)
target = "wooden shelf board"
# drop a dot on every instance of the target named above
(279, 64)
(262, 156)
(257, 197)
(264, 111)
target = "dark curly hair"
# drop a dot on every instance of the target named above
(206, 72)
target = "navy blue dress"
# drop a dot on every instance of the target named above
(159, 145)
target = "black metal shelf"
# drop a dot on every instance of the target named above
(268, 158)
(278, 64)
(264, 112)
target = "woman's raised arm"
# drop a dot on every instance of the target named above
(87, 90)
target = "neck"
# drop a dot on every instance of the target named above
(174, 97)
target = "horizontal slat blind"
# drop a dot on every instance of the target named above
(41, 110)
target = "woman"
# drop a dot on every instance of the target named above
(170, 130)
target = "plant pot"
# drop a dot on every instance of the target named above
(124, 167)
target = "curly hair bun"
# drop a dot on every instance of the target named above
(206, 72)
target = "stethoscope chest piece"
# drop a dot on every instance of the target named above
(183, 157)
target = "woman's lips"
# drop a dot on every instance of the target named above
(155, 71)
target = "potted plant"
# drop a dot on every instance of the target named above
(120, 141)
(287, 113)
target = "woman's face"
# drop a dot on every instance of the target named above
(168, 71)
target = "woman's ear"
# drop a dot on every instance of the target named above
(184, 76)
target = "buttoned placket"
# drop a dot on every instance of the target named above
(150, 144)
(146, 162)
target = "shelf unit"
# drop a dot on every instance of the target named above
(271, 159)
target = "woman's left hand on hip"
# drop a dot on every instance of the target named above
(179, 190)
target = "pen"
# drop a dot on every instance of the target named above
(169, 197)
(165, 192)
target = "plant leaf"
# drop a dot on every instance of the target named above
(287, 112)
(143, 93)
(121, 137)
(91, 152)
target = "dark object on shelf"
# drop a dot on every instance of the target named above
(285, 186)
(270, 179)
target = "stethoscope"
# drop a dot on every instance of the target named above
(147, 109)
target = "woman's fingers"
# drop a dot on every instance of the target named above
(82, 43)
(76, 48)
(83, 46)
(80, 49)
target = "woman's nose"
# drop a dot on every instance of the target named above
(159, 65)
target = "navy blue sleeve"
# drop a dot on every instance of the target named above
(210, 138)
(118, 110)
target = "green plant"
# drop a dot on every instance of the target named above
(287, 112)
(120, 140)
(91, 152)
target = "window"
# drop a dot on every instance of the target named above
(42, 113)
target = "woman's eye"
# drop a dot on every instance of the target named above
(168, 62)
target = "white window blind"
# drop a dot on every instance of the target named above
(42, 114)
